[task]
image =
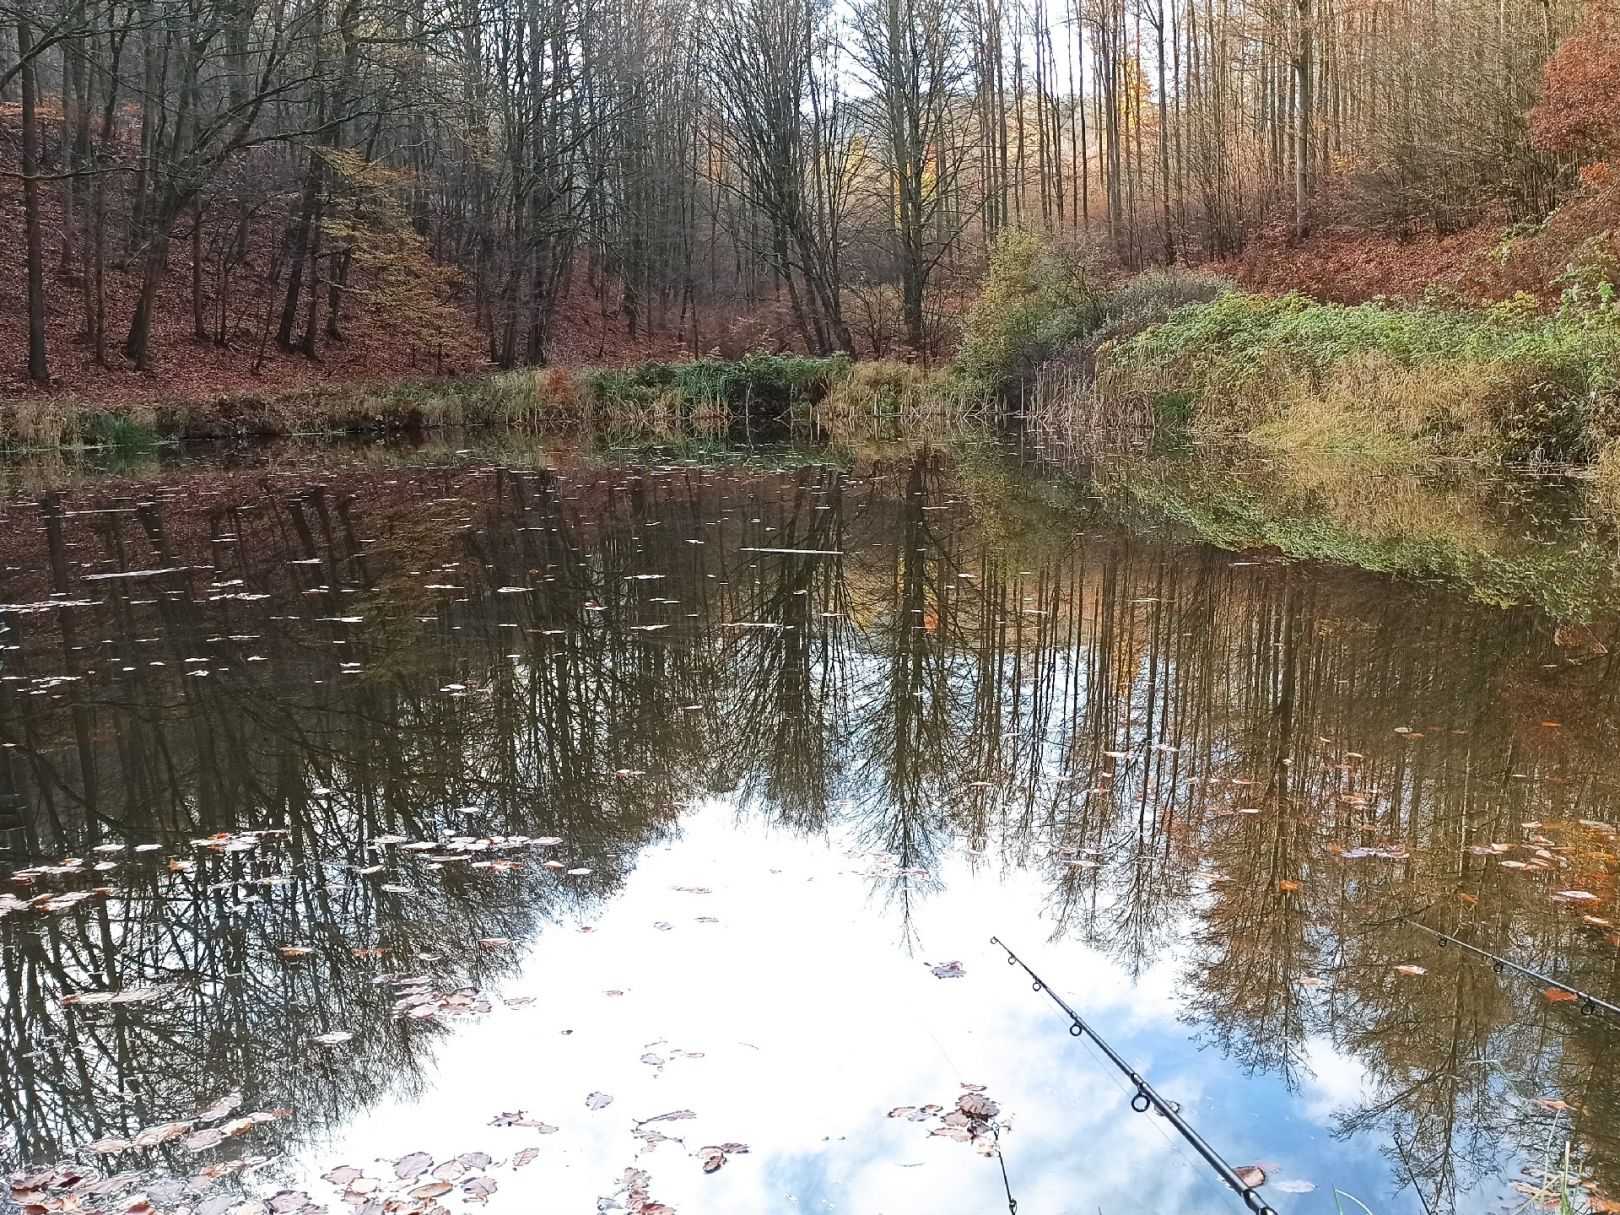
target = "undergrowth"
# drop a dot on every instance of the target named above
(1506, 382)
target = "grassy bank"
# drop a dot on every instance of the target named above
(1081, 351)
(759, 396)
(1505, 383)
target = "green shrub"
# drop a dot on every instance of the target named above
(1153, 296)
(759, 385)
(118, 431)
(1038, 300)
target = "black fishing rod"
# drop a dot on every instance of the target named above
(1147, 1097)
(1589, 1004)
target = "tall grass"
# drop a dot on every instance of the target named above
(1504, 383)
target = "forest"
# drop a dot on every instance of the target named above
(219, 191)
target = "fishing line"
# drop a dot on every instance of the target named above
(1147, 1097)
(1589, 1003)
(995, 1131)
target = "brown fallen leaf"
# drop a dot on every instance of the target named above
(1411, 970)
(1557, 995)
(976, 1105)
(432, 1189)
(1251, 1175)
(1288, 885)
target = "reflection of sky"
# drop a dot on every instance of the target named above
(813, 1023)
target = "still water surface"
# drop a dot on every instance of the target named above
(461, 819)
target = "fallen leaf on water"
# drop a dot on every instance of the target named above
(976, 1105)
(524, 1157)
(1553, 1103)
(412, 1165)
(333, 1038)
(344, 1175)
(672, 1116)
(1287, 886)
(597, 1101)
(1251, 1175)
(432, 1189)
(204, 1139)
(478, 1189)
(1295, 1187)
(1411, 970)
(221, 1108)
(949, 970)
(1576, 896)
(1557, 995)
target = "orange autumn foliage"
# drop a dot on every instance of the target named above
(1578, 111)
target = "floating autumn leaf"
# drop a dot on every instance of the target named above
(1288, 885)
(1557, 995)
(1251, 1175)
(344, 1175)
(431, 1189)
(1295, 1186)
(1553, 1103)
(672, 1116)
(1576, 896)
(221, 1108)
(204, 1139)
(948, 970)
(597, 1101)
(334, 1038)
(478, 1189)
(976, 1105)
(524, 1157)
(412, 1165)
(1409, 969)
(716, 1155)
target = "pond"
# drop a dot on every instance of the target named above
(429, 831)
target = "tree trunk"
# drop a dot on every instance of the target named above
(38, 369)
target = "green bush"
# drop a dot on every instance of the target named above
(118, 432)
(1153, 296)
(760, 385)
(1038, 301)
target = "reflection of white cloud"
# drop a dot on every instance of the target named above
(812, 1023)
(1338, 1083)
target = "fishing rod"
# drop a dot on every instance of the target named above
(1147, 1097)
(1589, 1003)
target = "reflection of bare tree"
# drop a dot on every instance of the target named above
(1196, 750)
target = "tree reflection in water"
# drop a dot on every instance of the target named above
(1193, 750)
